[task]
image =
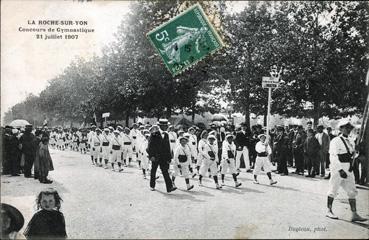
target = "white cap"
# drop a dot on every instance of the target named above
(344, 122)
(212, 137)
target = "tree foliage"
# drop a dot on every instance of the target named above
(322, 47)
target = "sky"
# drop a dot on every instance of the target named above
(27, 63)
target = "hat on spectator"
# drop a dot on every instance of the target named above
(163, 122)
(16, 217)
(261, 135)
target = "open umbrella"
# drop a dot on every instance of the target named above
(19, 123)
(218, 117)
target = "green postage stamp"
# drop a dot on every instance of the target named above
(185, 39)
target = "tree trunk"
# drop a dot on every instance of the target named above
(169, 112)
(316, 113)
(247, 109)
(193, 113)
(127, 119)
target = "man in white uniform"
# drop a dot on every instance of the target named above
(105, 147)
(181, 161)
(96, 146)
(228, 159)
(133, 134)
(192, 142)
(263, 151)
(209, 161)
(115, 147)
(127, 147)
(341, 151)
(90, 135)
(172, 138)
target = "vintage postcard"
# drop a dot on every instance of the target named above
(184, 119)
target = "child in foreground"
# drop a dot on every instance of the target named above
(49, 221)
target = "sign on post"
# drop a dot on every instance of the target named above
(185, 39)
(270, 82)
(106, 115)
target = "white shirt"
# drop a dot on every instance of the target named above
(319, 136)
(260, 147)
(180, 150)
(207, 148)
(338, 147)
(226, 147)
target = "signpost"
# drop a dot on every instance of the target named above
(106, 115)
(270, 83)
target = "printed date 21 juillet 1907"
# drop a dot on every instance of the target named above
(56, 29)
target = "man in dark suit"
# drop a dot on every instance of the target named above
(311, 153)
(324, 142)
(160, 154)
(28, 142)
(242, 142)
(280, 143)
(298, 150)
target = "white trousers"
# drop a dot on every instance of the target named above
(116, 156)
(95, 152)
(208, 164)
(105, 152)
(262, 162)
(184, 169)
(245, 153)
(348, 184)
(228, 166)
(144, 161)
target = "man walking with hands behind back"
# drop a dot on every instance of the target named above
(160, 154)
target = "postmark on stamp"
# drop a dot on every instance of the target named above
(185, 39)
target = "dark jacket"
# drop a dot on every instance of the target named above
(311, 146)
(46, 224)
(298, 143)
(280, 144)
(28, 141)
(241, 140)
(159, 147)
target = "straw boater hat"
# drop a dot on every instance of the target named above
(183, 138)
(229, 135)
(116, 131)
(98, 130)
(134, 125)
(106, 129)
(141, 127)
(211, 137)
(191, 128)
(180, 132)
(120, 128)
(186, 135)
(16, 217)
(163, 122)
(152, 127)
(261, 135)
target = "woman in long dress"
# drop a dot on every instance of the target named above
(45, 161)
